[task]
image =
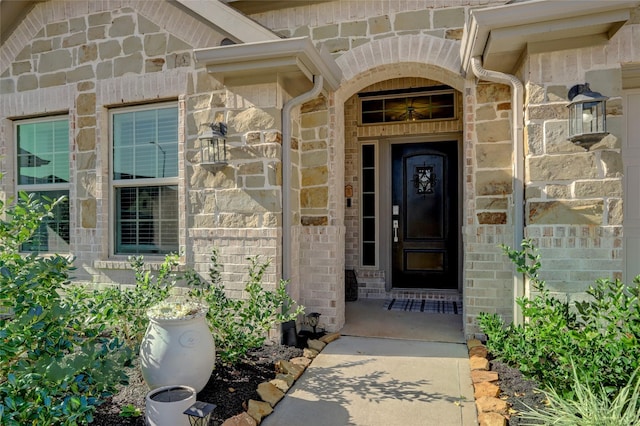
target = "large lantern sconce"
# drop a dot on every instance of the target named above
(213, 145)
(587, 115)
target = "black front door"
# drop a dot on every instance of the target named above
(425, 215)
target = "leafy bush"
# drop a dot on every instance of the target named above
(601, 336)
(123, 309)
(55, 362)
(243, 324)
(590, 407)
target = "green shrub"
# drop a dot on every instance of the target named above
(601, 336)
(590, 407)
(242, 324)
(55, 362)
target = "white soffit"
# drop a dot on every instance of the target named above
(501, 35)
(292, 61)
(229, 20)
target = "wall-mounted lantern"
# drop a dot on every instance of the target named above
(587, 115)
(213, 145)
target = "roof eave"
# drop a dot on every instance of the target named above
(296, 58)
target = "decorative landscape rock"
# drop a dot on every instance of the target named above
(486, 389)
(491, 419)
(310, 353)
(478, 376)
(258, 410)
(487, 404)
(269, 393)
(328, 338)
(242, 419)
(478, 363)
(290, 368)
(316, 345)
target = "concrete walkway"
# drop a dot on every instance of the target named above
(368, 381)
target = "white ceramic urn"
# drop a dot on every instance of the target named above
(177, 351)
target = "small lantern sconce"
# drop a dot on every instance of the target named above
(213, 145)
(199, 413)
(348, 194)
(587, 116)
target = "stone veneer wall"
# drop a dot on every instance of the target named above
(82, 58)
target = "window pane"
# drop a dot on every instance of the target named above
(147, 219)
(368, 155)
(43, 152)
(368, 180)
(369, 204)
(409, 105)
(369, 254)
(52, 235)
(145, 144)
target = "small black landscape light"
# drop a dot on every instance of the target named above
(587, 115)
(199, 413)
(213, 144)
(313, 319)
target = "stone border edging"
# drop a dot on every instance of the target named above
(271, 392)
(492, 411)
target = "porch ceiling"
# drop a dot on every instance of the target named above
(292, 61)
(502, 35)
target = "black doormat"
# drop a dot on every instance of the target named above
(426, 306)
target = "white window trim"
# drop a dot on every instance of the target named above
(113, 184)
(376, 160)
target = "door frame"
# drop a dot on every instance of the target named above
(385, 185)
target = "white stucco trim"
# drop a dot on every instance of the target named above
(295, 58)
(229, 20)
(502, 34)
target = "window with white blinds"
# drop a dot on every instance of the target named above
(144, 178)
(42, 164)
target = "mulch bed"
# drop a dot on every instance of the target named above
(229, 387)
(521, 393)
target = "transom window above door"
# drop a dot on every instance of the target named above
(144, 179)
(396, 106)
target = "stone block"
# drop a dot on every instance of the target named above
(548, 112)
(491, 203)
(328, 338)
(57, 28)
(414, 20)
(611, 162)
(126, 64)
(316, 197)
(54, 61)
(153, 65)
(301, 361)
(109, 49)
(155, 44)
(99, 19)
(131, 44)
(86, 104)
(491, 419)
(314, 119)
(314, 220)
(27, 82)
(18, 68)
(486, 389)
(492, 218)
(251, 119)
(74, 40)
(492, 92)
(487, 404)
(82, 73)
(313, 159)
(88, 213)
(379, 25)
(310, 353)
(253, 168)
(281, 384)
(104, 70)
(97, 33)
(53, 79)
(615, 212)
(324, 32)
(269, 393)
(122, 26)
(87, 53)
(494, 182)
(40, 46)
(478, 351)
(287, 367)
(562, 167)
(242, 419)
(493, 131)
(249, 201)
(317, 104)
(494, 155)
(478, 376)
(315, 176)
(145, 26)
(259, 410)
(574, 212)
(316, 345)
(478, 363)
(77, 24)
(353, 29)
(472, 343)
(450, 17)
(86, 160)
(453, 34)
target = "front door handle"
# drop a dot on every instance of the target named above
(395, 231)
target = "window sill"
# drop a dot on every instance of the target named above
(152, 263)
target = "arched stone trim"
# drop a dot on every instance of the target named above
(162, 13)
(435, 58)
